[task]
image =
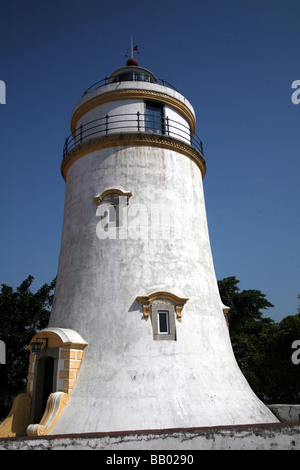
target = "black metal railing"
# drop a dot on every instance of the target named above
(106, 81)
(134, 122)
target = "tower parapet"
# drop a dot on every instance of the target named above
(131, 105)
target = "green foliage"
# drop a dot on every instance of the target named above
(22, 314)
(262, 348)
(284, 383)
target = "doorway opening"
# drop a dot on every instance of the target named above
(45, 383)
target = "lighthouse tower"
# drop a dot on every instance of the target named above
(138, 335)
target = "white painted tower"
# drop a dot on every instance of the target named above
(138, 332)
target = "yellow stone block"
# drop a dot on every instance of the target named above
(68, 354)
(72, 364)
(79, 354)
(68, 383)
(67, 374)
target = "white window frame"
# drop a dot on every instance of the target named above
(166, 312)
(168, 307)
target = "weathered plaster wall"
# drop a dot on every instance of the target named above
(286, 413)
(255, 437)
(127, 380)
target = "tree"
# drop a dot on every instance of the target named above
(249, 330)
(261, 346)
(283, 380)
(22, 315)
(245, 307)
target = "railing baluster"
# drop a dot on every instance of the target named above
(106, 124)
(160, 125)
(105, 81)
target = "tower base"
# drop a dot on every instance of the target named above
(277, 436)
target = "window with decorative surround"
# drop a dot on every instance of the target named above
(163, 308)
(113, 199)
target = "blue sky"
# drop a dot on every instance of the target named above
(235, 61)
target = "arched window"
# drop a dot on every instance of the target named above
(114, 199)
(113, 204)
(162, 308)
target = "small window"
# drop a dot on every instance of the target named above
(112, 202)
(154, 117)
(163, 322)
(113, 209)
(162, 308)
(112, 213)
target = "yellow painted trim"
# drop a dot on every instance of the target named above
(55, 341)
(98, 199)
(146, 310)
(130, 94)
(55, 405)
(226, 314)
(178, 309)
(162, 296)
(132, 139)
(18, 418)
(147, 300)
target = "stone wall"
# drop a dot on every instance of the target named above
(286, 413)
(276, 436)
